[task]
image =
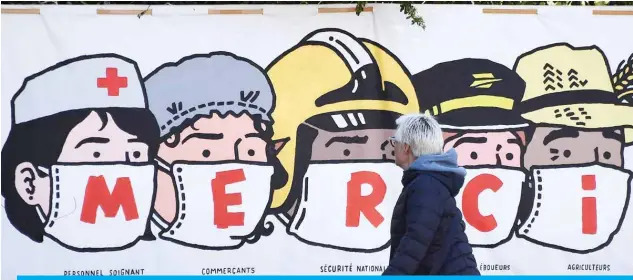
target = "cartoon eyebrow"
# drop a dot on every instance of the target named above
(254, 134)
(210, 136)
(610, 134)
(384, 144)
(514, 141)
(475, 140)
(561, 133)
(348, 140)
(99, 140)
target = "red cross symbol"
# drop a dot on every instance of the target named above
(112, 81)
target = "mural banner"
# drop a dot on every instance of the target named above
(183, 142)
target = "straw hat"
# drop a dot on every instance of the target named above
(569, 86)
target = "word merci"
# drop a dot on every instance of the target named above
(352, 268)
(99, 272)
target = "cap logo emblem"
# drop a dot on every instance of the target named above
(112, 82)
(483, 80)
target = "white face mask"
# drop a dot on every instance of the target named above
(577, 209)
(628, 153)
(489, 201)
(97, 207)
(328, 210)
(219, 206)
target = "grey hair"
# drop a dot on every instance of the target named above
(422, 132)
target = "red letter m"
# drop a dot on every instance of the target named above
(98, 194)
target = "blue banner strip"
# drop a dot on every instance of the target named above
(340, 277)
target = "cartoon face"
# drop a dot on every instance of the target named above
(97, 138)
(487, 148)
(82, 172)
(559, 146)
(367, 144)
(77, 163)
(361, 185)
(564, 166)
(208, 139)
(217, 159)
(493, 160)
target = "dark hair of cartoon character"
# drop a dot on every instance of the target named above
(279, 177)
(40, 142)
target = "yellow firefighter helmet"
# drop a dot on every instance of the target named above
(331, 70)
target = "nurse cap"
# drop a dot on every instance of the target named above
(84, 82)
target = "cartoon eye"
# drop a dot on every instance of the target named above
(509, 156)
(136, 154)
(346, 152)
(473, 155)
(96, 154)
(555, 153)
(251, 152)
(567, 153)
(606, 155)
(206, 153)
(393, 153)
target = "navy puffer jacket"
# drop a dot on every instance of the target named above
(423, 231)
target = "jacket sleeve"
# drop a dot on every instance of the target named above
(424, 209)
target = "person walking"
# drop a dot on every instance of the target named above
(427, 231)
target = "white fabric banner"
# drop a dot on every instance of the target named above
(268, 137)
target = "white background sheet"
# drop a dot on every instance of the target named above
(31, 43)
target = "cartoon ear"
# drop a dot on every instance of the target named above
(448, 137)
(280, 143)
(32, 188)
(173, 140)
(521, 135)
